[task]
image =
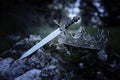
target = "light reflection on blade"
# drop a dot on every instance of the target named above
(51, 36)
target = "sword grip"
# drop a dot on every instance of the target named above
(70, 22)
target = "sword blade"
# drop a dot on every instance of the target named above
(44, 41)
(51, 36)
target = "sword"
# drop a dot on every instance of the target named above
(51, 36)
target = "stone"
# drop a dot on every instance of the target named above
(102, 55)
(33, 74)
(5, 67)
(18, 68)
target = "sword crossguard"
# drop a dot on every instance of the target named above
(56, 22)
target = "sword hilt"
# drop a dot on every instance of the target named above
(70, 22)
(66, 25)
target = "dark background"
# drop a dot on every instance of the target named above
(20, 18)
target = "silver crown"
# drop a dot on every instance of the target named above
(80, 38)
